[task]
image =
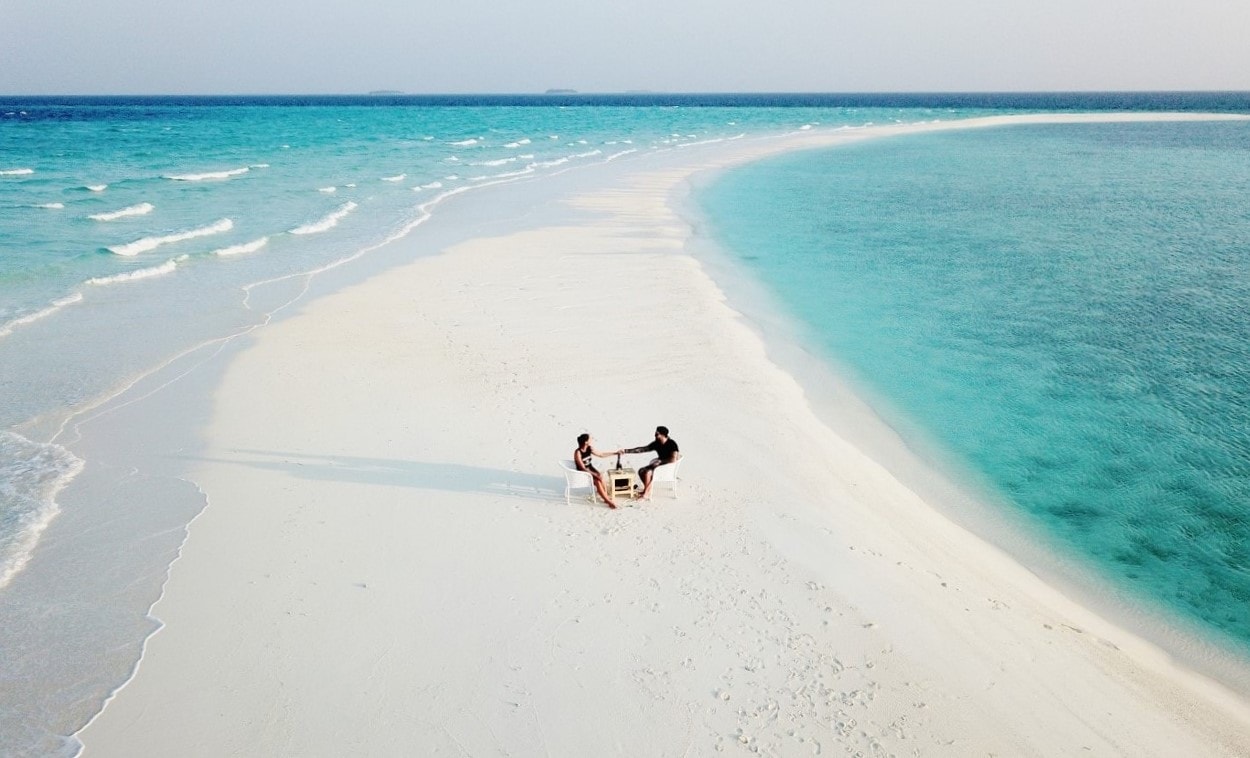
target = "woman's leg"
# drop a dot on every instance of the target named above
(602, 489)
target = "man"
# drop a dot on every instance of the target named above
(665, 447)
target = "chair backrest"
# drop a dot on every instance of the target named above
(668, 471)
(572, 474)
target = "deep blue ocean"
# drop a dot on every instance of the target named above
(1056, 307)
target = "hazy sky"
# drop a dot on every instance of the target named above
(474, 46)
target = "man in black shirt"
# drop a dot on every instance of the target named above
(665, 447)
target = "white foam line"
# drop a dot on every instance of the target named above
(499, 162)
(328, 222)
(25, 548)
(151, 243)
(97, 187)
(50, 206)
(396, 178)
(712, 141)
(465, 142)
(17, 172)
(240, 249)
(328, 190)
(144, 273)
(31, 318)
(221, 343)
(509, 174)
(259, 165)
(133, 210)
(211, 175)
(614, 156)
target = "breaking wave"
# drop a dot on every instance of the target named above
(240, 249)
(328, 222)
(208, 176)
(144, 273)
(151, 243)
(133, 210)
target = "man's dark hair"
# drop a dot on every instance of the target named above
(581, 439)
(662, 430)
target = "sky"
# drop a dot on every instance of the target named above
(488, 46)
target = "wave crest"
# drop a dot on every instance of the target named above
(208, 176)
(328, 222)
(151, 243)
(132, 210)
(144, 273)
(246, 247)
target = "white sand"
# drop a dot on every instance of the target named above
(387, 565)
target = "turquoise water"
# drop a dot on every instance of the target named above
(133, 230)
(1060, 308)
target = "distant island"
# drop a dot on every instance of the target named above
(560, 92)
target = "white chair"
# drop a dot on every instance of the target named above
(667, 474)
(575, 478)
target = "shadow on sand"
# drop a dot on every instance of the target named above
(448, 477)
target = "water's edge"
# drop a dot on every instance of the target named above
(855, 413)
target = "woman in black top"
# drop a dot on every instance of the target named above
(583, 458)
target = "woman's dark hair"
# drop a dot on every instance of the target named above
(662, 430)
(581, 439)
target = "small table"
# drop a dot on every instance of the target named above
(621, 481)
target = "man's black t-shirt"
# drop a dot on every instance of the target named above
(666, 450)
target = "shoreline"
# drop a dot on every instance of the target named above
(725, 322)
(853, 411)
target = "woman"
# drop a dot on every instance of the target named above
(583, 458)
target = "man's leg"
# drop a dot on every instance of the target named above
(645, 474)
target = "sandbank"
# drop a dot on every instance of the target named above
(387, 565)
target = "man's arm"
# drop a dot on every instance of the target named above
(643, 449)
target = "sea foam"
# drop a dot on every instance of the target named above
(52, 206)
(33, 473)
(129, 276)
(132, 210)
(16, 171)
(240, 249)
(465, 142)
(499, 162)
(207, 176)
(328, 222)
(396, 178)
(151, 243)
(97, 187)
(30, 318)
